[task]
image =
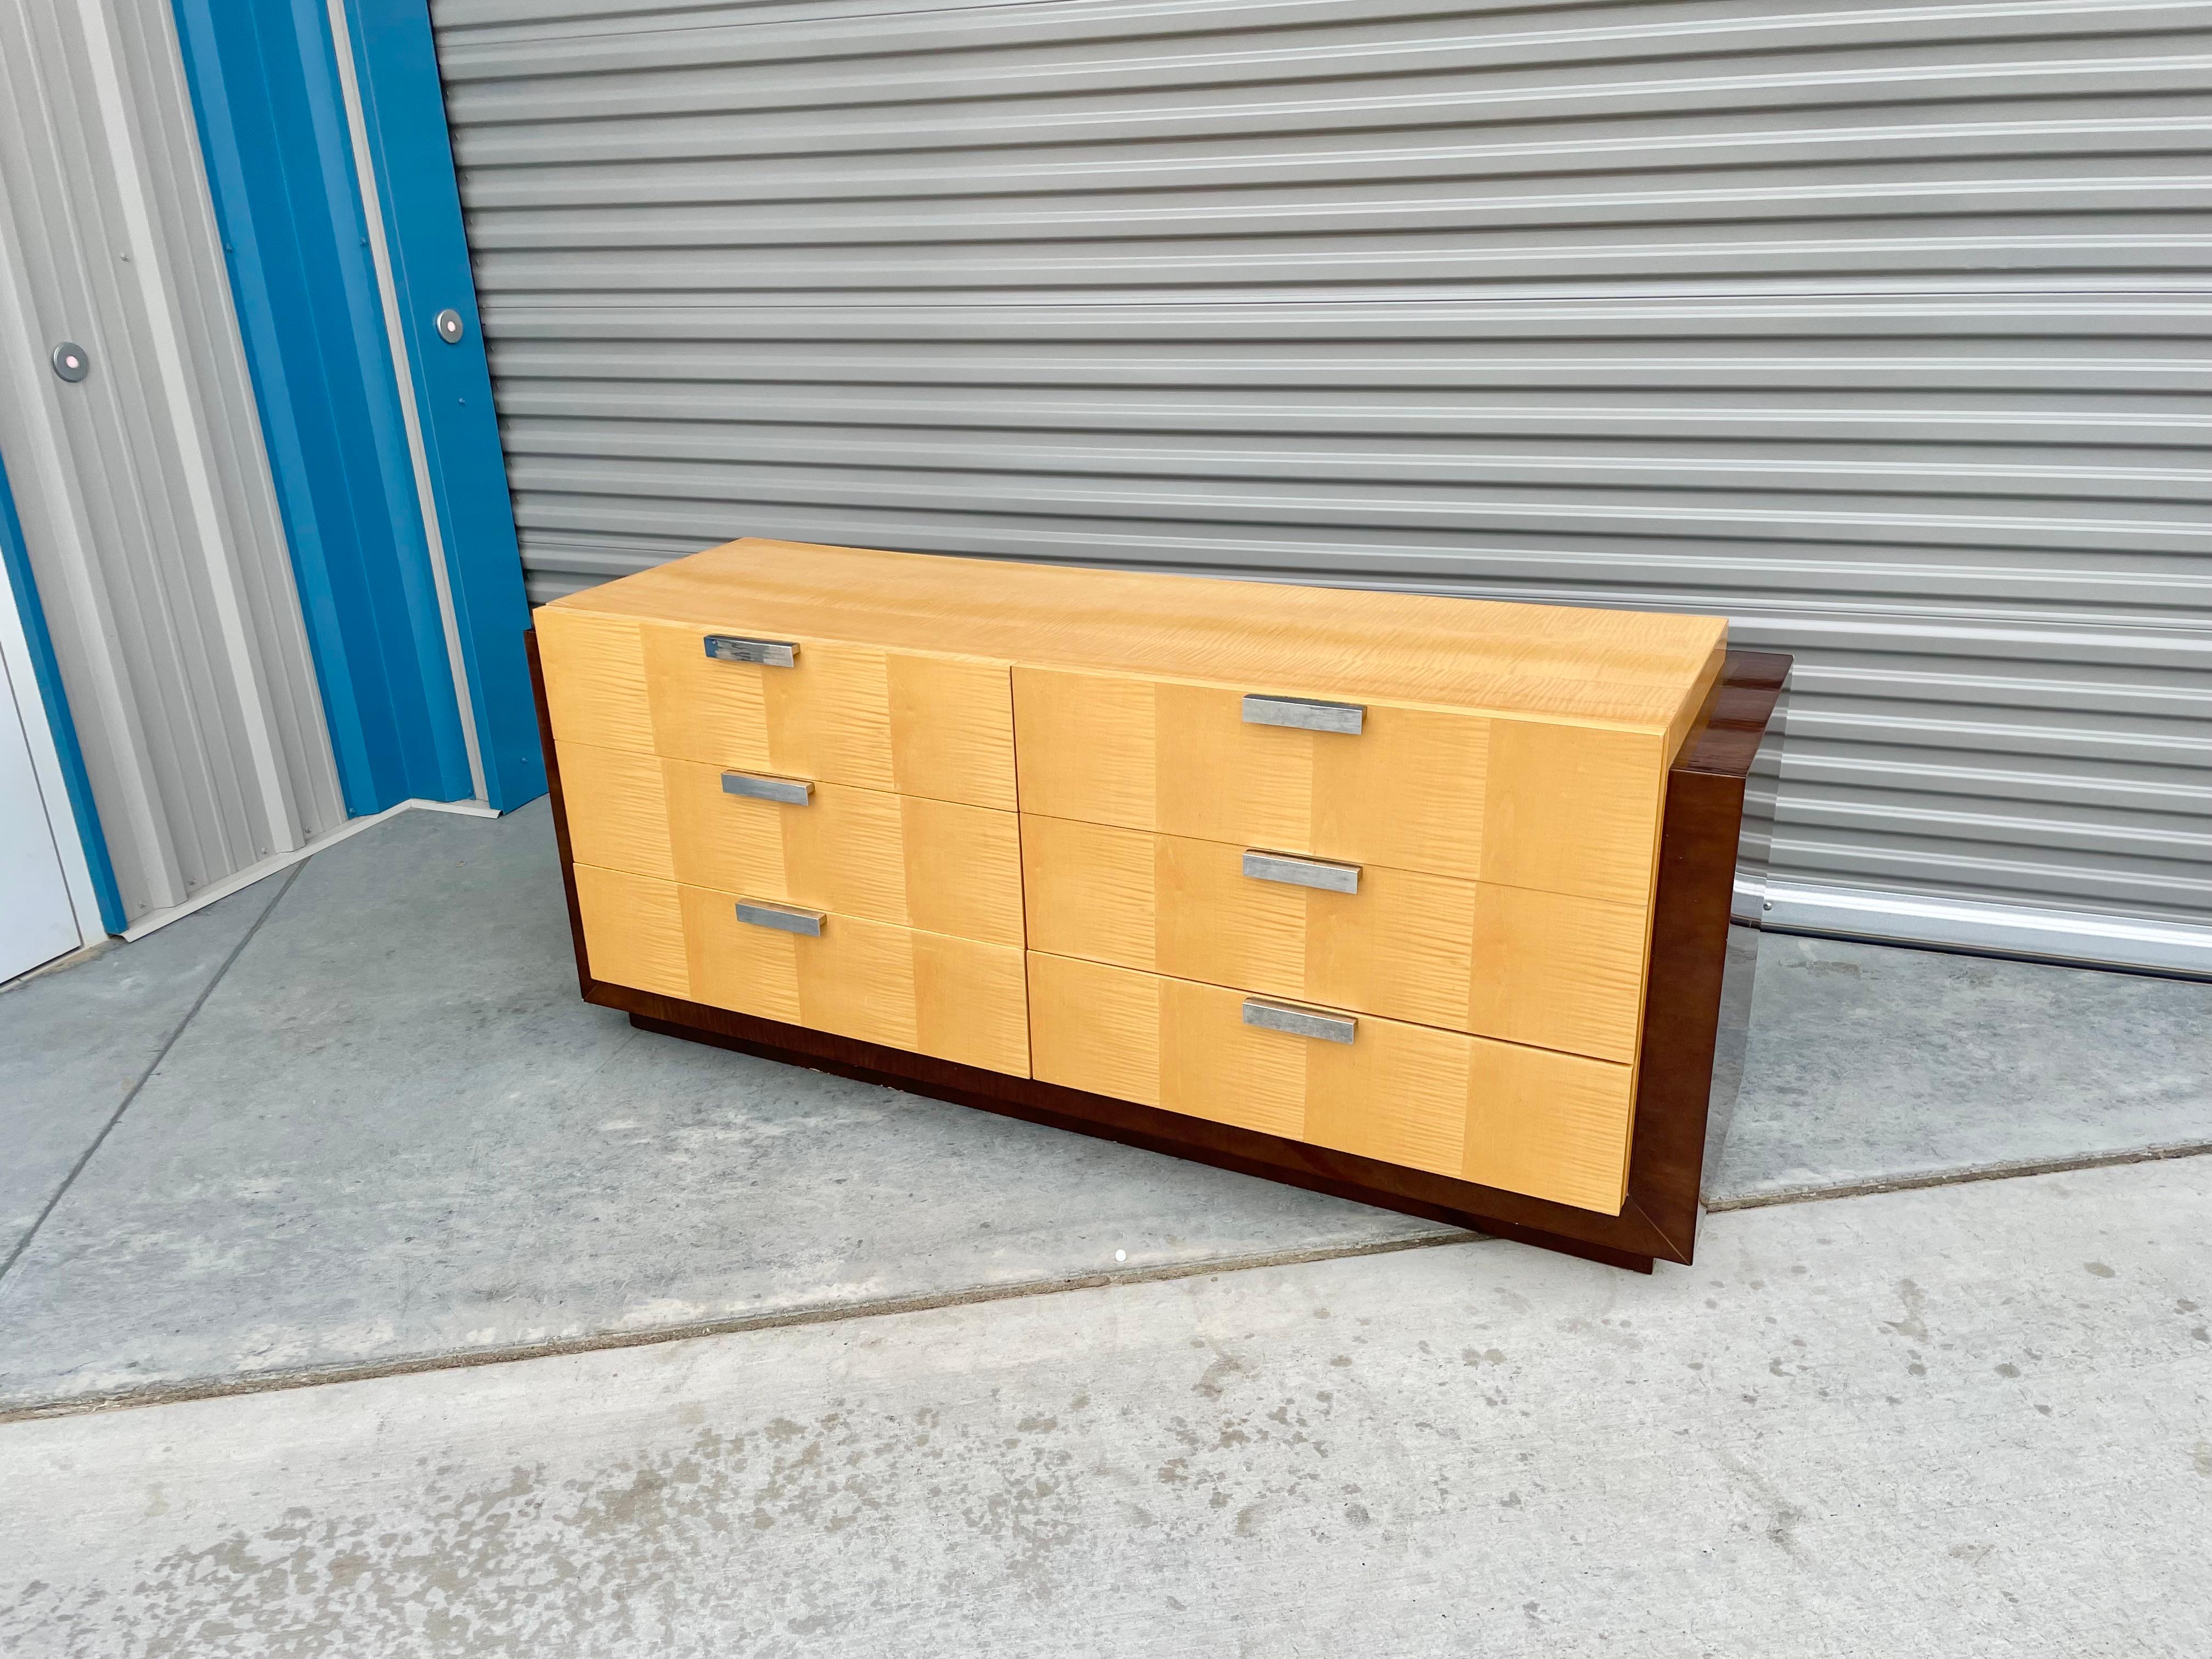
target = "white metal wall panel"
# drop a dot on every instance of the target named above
(146, 498)
(1882, 328)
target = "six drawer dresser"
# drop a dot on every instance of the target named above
(1397, 896)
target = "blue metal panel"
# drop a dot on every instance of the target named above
(396, 64)
(48, 674)
(280, 166)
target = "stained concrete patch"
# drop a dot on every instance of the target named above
(1868, 1064)
(1915, 1425)
(73, 1043)
(395, 1131)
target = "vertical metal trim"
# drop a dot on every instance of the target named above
(272, 130)
(403, 368)
(403, 96)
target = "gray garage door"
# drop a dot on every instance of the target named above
(1881, 328)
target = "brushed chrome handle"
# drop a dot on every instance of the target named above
(784, 918)
(1306, 714)
(1301, 872)
(731, 648)
(1299, 1020)
(791, 792)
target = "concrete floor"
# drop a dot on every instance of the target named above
(1870, 1066)
(356, 1120)
(1943, 1423)
(75, 1044)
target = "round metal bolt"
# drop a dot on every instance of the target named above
(450, 326)
(72, 362)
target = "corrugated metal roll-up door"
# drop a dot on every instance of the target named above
(1882, 328)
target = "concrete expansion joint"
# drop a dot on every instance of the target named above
(192, 1013)
(1814, 1193)
(507, 1353)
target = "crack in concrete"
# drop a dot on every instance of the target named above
(144, 1076)
(1813, 1193)
(367, 1370)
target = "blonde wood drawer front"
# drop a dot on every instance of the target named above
(1559, 807)
(1527, 1120)
(617, 805)
(905, 859)
(1549, 969)
(939, 865)
(956, 999)
(633, 930)
(896, 721)
(594, 672)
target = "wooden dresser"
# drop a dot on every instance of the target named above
(1364, 890)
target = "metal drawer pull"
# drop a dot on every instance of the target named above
(784, 918)
(792, 792)
(1299, 1020)
(728, 648)
(1305, 714)
(1301, 872)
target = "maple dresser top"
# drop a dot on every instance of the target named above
(1633, 669)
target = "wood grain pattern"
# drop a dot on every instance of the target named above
(909, 860)
(1102, 1025)
(617, 809)
(1558, 972)
(1162, 755)
(906, 860)
(845, 712)
(1635, 669)
(1146, 1038)
(842, 713)
(594, 672)
(1544, 968)
(1573, 810)
(1570, 809)
(633, 930)
(1398, 1092)
(1555, 1125)
(956, 999)
(1552, 1126)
